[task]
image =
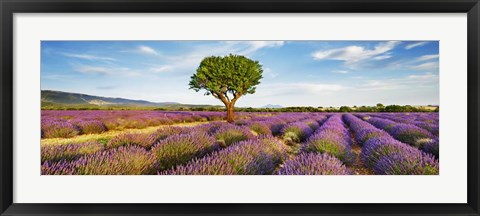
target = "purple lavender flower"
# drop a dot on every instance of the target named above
(410, 134)
(228, 134)
(130, 160)
(211, 128)
(167, 131)
(61, 167)
(418, 163)
(313, 164)
(179, 149)
(430, 127)
(276, 125)
(91, 126)
(312, 123)
(69, 151)
(377, 147)
(252, 157)
(332, 138)
(127, 139)
(260, 128)
(431, 146)
(363, 130)
(381, 123)
(241, 122)
(296, 132)
(58, 129)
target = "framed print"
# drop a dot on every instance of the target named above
(246, 108)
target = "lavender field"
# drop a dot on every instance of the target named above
(105, 142)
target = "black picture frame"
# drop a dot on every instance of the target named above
(9, 7)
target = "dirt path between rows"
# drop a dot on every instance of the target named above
(358, 167)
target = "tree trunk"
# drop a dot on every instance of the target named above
(230, 113)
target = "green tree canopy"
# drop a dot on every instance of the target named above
(227, 78)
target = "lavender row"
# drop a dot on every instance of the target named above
(410, 134)
(428, 122)
(314, 164)
(251, 157)
(125, 160)
(387, 156)
(300, 131)
(332, 138)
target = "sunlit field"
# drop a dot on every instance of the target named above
(104, 142)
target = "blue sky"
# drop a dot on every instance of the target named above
(296, 73)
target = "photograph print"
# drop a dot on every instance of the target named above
(239, 108)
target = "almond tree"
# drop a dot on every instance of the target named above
(227, 78)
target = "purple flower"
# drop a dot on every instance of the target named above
(127, 139)
(181, 148)
(252, 157)
(296, 132)
(410, 134)
(377, 147)
(69, 151)
(130, 160)
(363, 130)
(418, 163)
(58, 129)
(228, 134)
(276, 125)
(431, 146)
(164, 132)
(381, 123)
(61, 167)
(91, 126)
(313, 164)
(332, 138)
(260, 128)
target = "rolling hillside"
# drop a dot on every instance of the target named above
(67, 98)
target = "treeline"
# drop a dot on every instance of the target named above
(378, 108)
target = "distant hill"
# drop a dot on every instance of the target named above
(67, 98)
(272, 106)
(76, 101)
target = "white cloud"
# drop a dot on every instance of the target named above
(413, 45)
(269, 72)
(427, 76)
(88, 57)
(312, 89)
(340, 71)
(382, 57)
(357, 77)
(425, 62)
(147, 50)
(253, 46)
(92, 69)
(162, 69)
(426, 57)
(352, 55)
(102, 70)
(317, 88)
(426, 66)
(57, 77)
(408, 82)
(380, 85)
(190, 60)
